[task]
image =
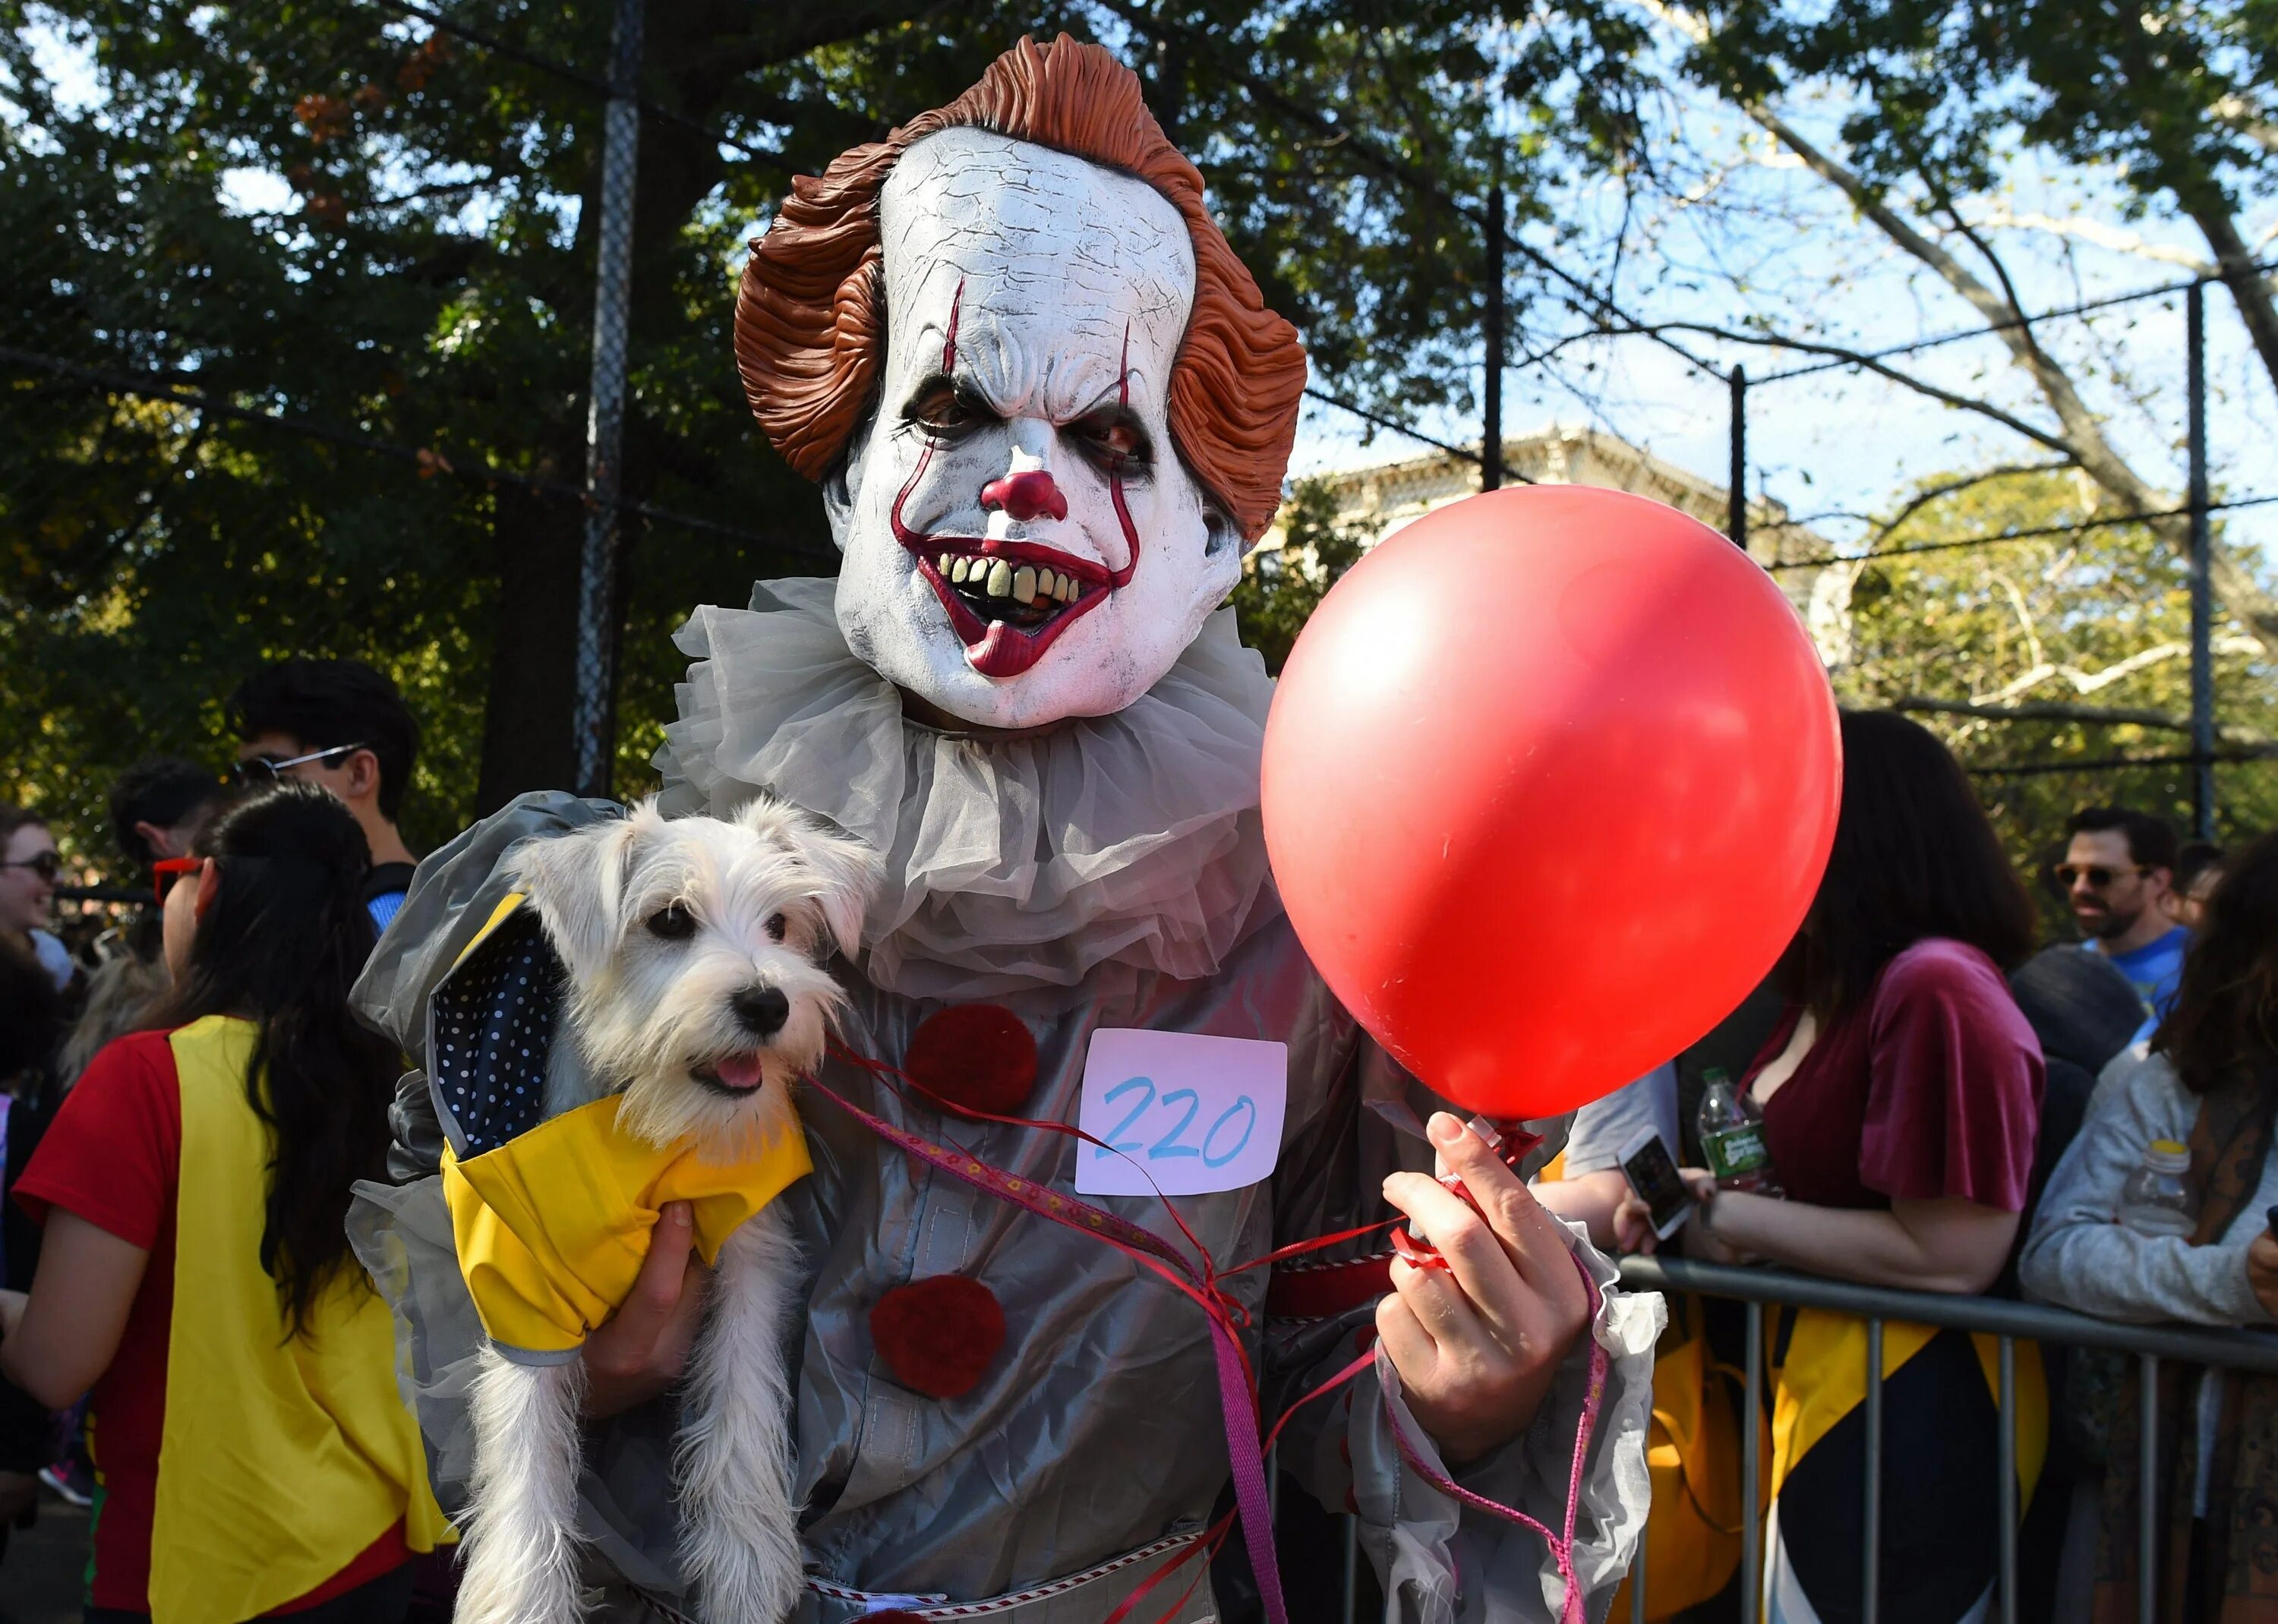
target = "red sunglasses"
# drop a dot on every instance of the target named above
(165, 871)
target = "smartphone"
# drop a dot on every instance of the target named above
(1651, 1173)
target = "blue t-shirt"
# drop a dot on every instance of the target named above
(2154, 970)
(383, 892)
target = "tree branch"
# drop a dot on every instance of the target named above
(1881, 368)
(2247, 287)
(2097, 234)
(1601, 307)
(1939, 492)
(2091, 682)
(2095, 715)
(2081, 435)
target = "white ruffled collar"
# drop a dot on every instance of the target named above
(1010, 863)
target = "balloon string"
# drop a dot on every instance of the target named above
(1238, 1388)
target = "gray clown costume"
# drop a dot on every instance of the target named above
(1088, 873)
(1108, 872)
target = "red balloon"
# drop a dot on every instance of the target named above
(1549, 782)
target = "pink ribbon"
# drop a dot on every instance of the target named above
(1237, 1382)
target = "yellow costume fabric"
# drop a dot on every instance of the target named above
(552, 1225)
(257, 1419)
(1823, 1379)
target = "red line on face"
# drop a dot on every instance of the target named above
(1122, 577)
(903, 533)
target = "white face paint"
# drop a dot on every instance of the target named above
(1022, 542)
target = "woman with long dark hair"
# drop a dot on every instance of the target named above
(1900, 1097)
(2208, 1087)
(195, 1274)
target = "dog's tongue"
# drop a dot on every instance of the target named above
(739, 1070)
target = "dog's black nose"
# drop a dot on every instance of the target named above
(761, 1009)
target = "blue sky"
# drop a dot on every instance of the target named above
(1781, 244)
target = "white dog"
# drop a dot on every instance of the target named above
(692, 949)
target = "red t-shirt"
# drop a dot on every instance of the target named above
(113, 1156)
(1930, 1086)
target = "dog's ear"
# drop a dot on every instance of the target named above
(848, 871)
(844, 867)
(577, 882)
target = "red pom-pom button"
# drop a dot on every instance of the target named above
(974, 1058)
(938, 1336)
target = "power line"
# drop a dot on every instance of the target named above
(2088, 307)
(1381, 421)
(1996, 539)
(1348, 138)
(2106, 764)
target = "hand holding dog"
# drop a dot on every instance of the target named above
(1477, 1343)
(644, 1347)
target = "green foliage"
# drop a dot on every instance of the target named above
(2167, 94)
(422, 289)
(2100, 618)
(1280, 588)
(320, 210)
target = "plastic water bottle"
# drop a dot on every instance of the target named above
(1732, 1137)
(2155, 1201)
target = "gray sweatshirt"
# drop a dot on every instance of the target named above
(2078, 1257)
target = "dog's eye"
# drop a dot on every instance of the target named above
(673, 922)
(776, 926)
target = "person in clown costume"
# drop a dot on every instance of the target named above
(1048, 411)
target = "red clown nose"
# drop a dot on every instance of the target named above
(1027, 495)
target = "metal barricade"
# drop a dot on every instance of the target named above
(2000, 1317)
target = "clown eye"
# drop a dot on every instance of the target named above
(1114, 440)
(673, 922)
(945, 410)
(776, 926)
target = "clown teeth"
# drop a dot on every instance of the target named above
(989, 576)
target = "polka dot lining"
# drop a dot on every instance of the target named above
(493, 1024)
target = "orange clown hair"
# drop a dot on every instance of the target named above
(811, 314)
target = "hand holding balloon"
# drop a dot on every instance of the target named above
(1478, 1340)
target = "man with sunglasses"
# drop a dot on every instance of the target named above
(28, 869)
(2118, 873)
(341, 724)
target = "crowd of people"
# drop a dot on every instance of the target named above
(1943, 1101)
(189, 1100)
(1947, 1109)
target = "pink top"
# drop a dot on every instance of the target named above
(1930, 1086)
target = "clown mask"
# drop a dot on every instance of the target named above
(1022, 541)
(1042, 395)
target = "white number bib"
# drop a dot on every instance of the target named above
(1192, 1113)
